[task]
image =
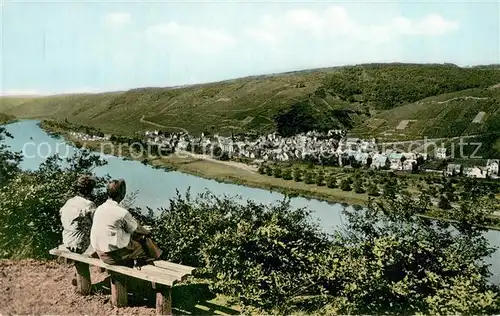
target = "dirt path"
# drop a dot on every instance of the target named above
(142, 120)
(30, 287)
(462, 98)
(38, 287)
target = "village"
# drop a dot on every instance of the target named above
(331, 148)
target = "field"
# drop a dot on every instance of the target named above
(342, 97)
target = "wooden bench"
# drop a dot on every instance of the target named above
(162, 275)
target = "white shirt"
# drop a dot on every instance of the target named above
(112, 227)
(76, 218)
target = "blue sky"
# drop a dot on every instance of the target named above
(82, 46)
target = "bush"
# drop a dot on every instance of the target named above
(297, 175)
(320, 178)
(277, 172)
(373, 190)
(267, 259)
(345, 185)
(287, 174)
(358, 187)
(262, 169)
(309, 177)
(269, 170)
(331, 181)
(444, 203)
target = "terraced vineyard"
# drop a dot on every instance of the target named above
(373, 99)
(468, 112)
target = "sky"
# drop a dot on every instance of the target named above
(51, 47)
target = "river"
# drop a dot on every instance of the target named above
(155, 186)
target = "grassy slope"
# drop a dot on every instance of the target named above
(250, 104)
(444, 116)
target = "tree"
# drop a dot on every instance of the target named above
(262, 169)
(373, 190)
(269, 170)
(297, 175)
(331, 181)
(287, 174)
(345, 185)
(413, 263)
(369, 162)
(309, 177)
(358, 187)
(389, 189)
(320, 178)
(444, 203)
(277, 172)
(224, 156)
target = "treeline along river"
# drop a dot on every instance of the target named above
(155, 186)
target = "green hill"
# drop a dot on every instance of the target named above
(467, 112)
(342, 97)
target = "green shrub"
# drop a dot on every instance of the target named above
(358, 187)
(345, 185)
(297, 175)
(444, 203)
(373, 190)
(309, 177)
(269, 170)
(320, 178)
(287, 174)
(331, 181)
(262, 169)
(268, 261)
(277, 172)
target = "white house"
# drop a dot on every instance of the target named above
(453, 169)
(441, 153)
(182, 145)
(474, 172)
(492, 166)
(395, 160)
(408, 164)
(380, 162)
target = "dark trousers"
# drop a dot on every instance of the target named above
(140, 247)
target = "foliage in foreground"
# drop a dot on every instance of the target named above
(274, 258)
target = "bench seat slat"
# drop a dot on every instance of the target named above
(150, 269)
(164, 278)
(174, 267)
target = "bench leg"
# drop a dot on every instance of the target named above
(163, 300)
(83, 282)
(118, 290)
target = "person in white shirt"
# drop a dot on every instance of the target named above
(116, 236)
(76, 217)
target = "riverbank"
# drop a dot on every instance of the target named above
(7, 119)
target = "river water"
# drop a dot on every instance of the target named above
(155, 186)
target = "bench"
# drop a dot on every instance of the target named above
(162, 275)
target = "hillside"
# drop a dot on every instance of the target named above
(467, 112)
(342, 97)
(473, 114)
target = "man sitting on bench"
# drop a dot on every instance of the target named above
(76, 217)
(116, 236)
